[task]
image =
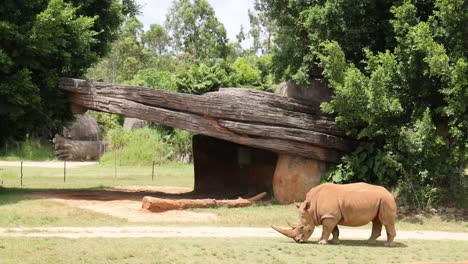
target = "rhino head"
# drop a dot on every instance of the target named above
(302, 231)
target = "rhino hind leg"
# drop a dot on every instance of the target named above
(391, 233)
(328, 225)
(336, 234)
(376, 231)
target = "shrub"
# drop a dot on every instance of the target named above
(135, 147)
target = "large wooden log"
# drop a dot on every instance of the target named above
(243, 116)
(201, 125)
(155, 204)
(301, 135)
(249, 106)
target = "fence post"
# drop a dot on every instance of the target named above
(115, 165)
(152, 173)
(64, 170)
(21, 174)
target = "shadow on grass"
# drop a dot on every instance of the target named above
(100, 193)
(352, 243)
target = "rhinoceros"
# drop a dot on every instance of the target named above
(353, 204)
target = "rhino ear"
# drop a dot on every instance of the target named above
(298, 205)
(306, 205)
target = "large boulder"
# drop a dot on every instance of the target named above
(294, 177)
(81, 141)
(78, 150)
(84, 128)
(316, 91)
(133, 123)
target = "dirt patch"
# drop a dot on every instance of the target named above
(125, 203)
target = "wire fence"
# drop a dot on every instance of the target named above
(66, 174)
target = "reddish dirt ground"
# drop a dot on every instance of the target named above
(126, 203)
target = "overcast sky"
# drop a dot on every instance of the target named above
(232, 13)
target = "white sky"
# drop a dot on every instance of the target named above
(232, 13)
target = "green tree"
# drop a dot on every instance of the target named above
(262, 28)
(409, 103)
(41, 41)
(241, 35)
(156, 39)
(126, 57)
(194, 29)
(303, 25)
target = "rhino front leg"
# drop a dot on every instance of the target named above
(376, 231)
(336, 234)
(391, 234)
(328, 225)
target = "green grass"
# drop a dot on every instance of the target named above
(30, 149)
(98, 176)
(220, 250)
(16, 210)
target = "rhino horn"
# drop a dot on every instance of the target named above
(287, 232)
(291, 225)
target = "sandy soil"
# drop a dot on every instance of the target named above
(47, 164)
(117, 232)
(125, 203)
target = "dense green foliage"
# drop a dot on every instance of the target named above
(398, 72)
(41, 41)
(145, 145)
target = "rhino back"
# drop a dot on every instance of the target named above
(352, 204)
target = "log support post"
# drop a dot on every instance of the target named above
(294, 176)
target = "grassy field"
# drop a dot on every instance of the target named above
(221, 250)
(98, 176)
(17, 210)
(30, 149)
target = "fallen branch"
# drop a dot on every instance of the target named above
(159, 205)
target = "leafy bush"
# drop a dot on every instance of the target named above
(409, 102)
(180, 145)
(145, 145)
(154, 78)
(135, 147)
(106, 121)
(245, 73)
(200, 79)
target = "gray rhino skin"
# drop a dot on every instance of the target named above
(353, 204)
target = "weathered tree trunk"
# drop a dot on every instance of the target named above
(247, 117)
(160, 205)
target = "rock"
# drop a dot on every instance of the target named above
(78, 150)
(317, 91)
(133, 123)
(81, 141)
(294, 176)
(85, 128)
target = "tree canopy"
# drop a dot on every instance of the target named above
(195, 29)
(398, 71)
(41, 41)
